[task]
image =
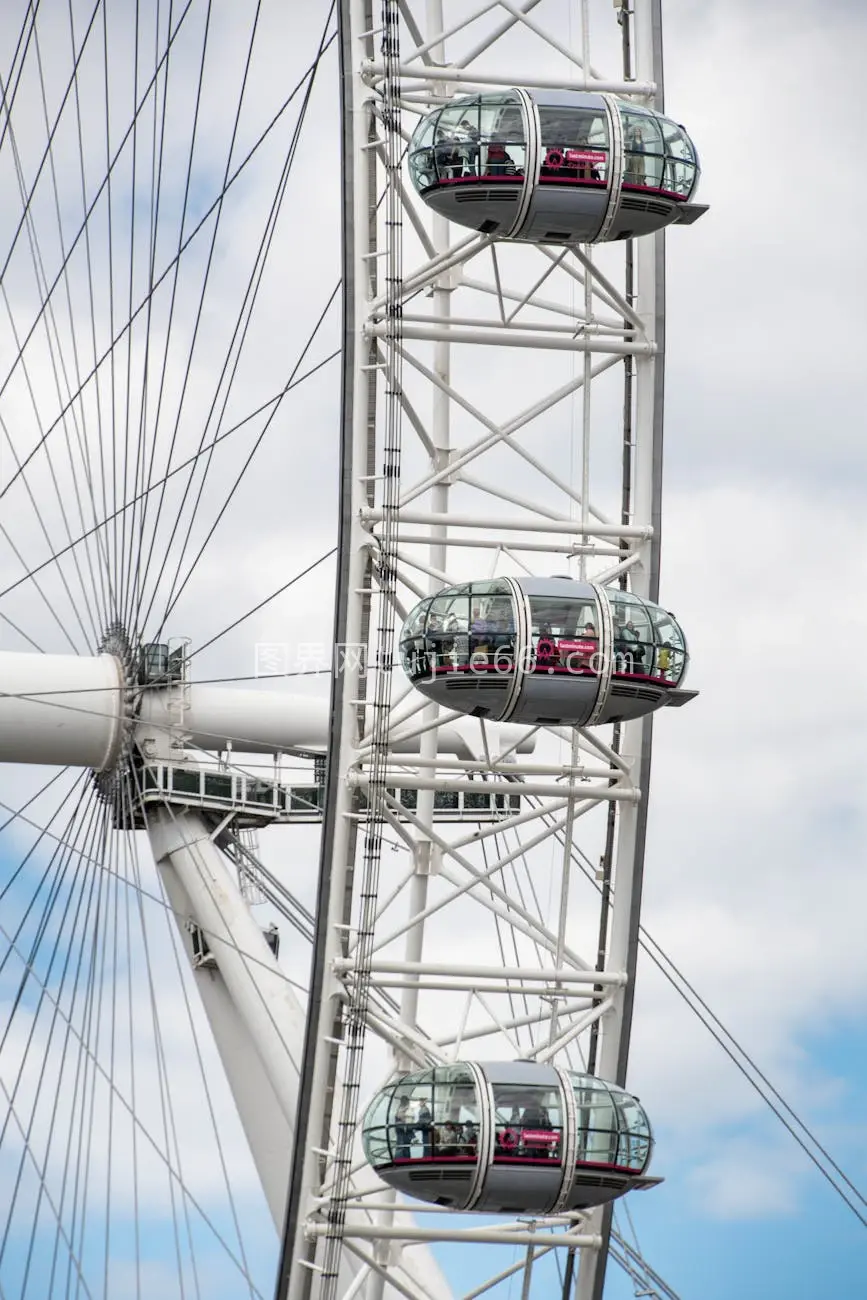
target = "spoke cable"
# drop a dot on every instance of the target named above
(58, 867)
(49, 322)
(239, 170)
(220, 437)
(739, 1057)
(177, 590)
(172, 923)
(147, 478)
(144, 568)
(154, 1145)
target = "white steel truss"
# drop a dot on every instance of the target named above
(515, 394)
(480, 884)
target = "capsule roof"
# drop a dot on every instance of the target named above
(555, 166)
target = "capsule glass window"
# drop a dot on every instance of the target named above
(491, 608)
(455, 1097)
(430, 1115)
(450, 612)
(415, 625)
(528, 1122)
(575, 144)
(502, 141)
(612, 1127)
(669, 660)
(377, 1134)
(470, 137)
(643, 150)
(633, 635)
(425, 131)
(491, 623)
(597, 1125)
(556, 616)
(633, 1143)
(680, 169)
(411, 1117)
(670, 657)
(455, 1107)
(412, 641)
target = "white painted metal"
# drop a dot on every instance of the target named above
(262, 1115)
(61, 709)
(488, 522)
(645, 488)
(253, 722)
(253, 1012)
(361, 780)
(339, 840)
(470, 80)
(490, 1236)
(67, 710)
(72, 709)
(436, 331)
(431, 740)
(506, 337)
(259, 990)
(470, 973)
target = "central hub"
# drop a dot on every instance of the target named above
(114, 781)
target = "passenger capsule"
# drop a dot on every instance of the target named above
(555, 167)
(545, 651)
(508, 1137)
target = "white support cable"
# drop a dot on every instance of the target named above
(124, 1102)
(512, 771)
(378, 1269)
(40, 1173)
(513, 498)
(538, 1253)
(490, 38)
(601, 287)
(634, 1263)
(426, 275)
(94, 862)
(84, 928)
(435, 42)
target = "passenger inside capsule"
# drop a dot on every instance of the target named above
(564, 636)
(533, 1129)
(575, 145)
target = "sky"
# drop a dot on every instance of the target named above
(756, 833)
(754, 881)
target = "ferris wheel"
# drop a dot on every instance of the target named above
(454, 1073)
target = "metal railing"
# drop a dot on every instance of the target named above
(273, 801)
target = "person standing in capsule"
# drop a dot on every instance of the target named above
(403, 1128)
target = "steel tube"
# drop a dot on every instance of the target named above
(64, 710)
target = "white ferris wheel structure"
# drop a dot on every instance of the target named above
(478, 777)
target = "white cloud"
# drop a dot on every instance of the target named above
(749, 1181)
